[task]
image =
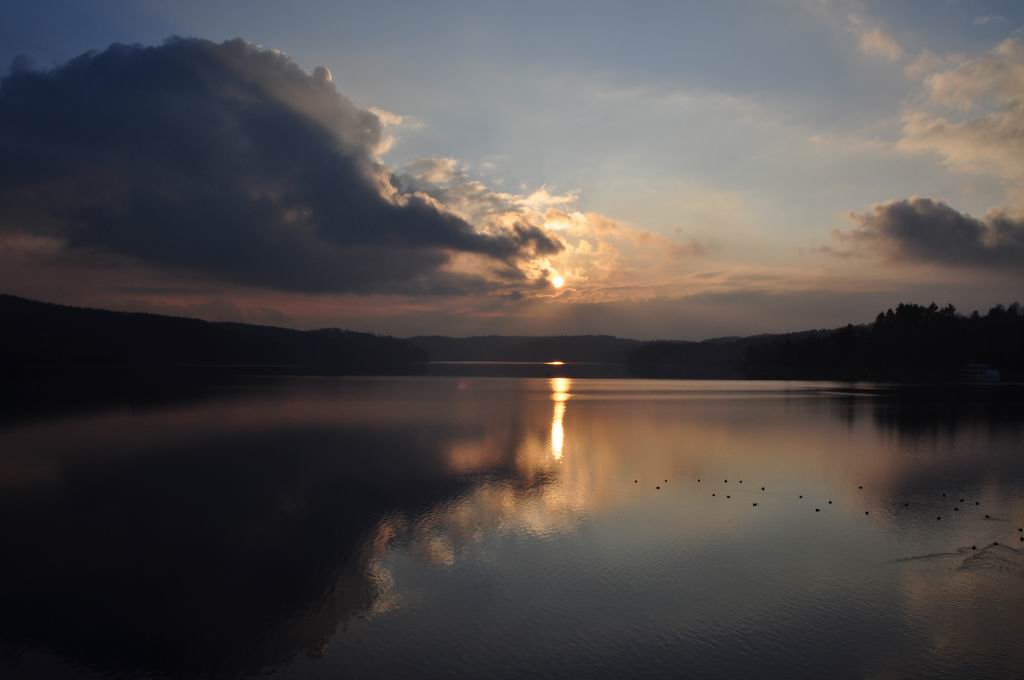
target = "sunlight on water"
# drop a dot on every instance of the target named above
(559, 394)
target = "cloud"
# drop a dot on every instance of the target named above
(875, 42)
(601, 258)
(930, 231)
(230, 163)
(996, 77)
(928, 62)
(391, 119)
(990, 145)
(878, 43)
(978, 128)
(388, 120)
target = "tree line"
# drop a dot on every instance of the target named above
(910, 342)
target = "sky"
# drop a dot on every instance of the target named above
(646, 169)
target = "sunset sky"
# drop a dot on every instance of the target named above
(645, 169)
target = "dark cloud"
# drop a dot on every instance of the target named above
(230, 162)
(926, 230)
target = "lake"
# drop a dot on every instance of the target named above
(475, 527)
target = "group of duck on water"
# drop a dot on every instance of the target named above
(956, 508)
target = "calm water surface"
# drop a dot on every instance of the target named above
(495, 527)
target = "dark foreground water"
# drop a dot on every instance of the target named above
(483, 527)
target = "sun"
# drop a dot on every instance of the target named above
(557, 281)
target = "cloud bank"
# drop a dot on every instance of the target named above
(925, 230)
(230, 163)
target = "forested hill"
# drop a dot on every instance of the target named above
(39, 333)
(910, 342)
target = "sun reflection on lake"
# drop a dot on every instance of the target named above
(559, 394)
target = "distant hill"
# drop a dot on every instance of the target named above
(714, 358)
(910, 343)
(570, 348)
(39, 333)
